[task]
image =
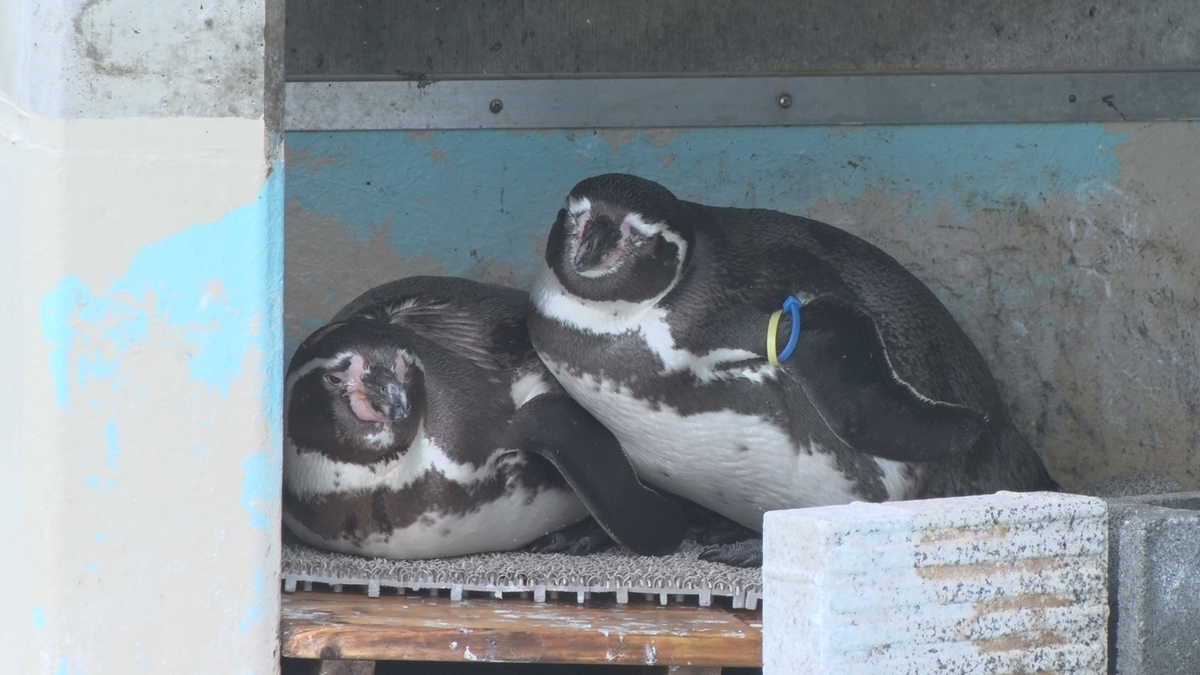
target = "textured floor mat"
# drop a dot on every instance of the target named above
(680, 577)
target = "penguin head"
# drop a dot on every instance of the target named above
(355, 392)
(619, 237)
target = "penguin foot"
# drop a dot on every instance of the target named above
(710, 528)
(718, 531)
(745, 553)
(582, 538)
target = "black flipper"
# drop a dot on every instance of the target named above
(591, 460)
(582, 538)
(841, 362)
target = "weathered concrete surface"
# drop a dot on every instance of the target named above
(416, 38)
(141, 236)
(1084, 302)
(1154, 543)
(1008, 582)
(146, 341)
(1065, 251)
(118, 58)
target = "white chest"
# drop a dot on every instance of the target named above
(504, 524)
(736, 464)
(513, 519)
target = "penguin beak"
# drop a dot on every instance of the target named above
(386, 394)
(397, 401)
(596, 242)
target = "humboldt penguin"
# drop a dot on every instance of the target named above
(750, 360)
(420, 423)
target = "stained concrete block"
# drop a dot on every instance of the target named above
(1155, 579)
(997, 583)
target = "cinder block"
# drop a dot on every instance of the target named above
(1155, 577)
(993, 584)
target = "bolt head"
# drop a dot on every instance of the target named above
(785, 101)
(496, 106)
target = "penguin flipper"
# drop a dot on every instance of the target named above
(841, 362)
(590, 458)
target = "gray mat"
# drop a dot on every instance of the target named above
(680, 577)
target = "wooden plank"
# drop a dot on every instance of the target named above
(318, 625)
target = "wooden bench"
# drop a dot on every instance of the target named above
(346, 634)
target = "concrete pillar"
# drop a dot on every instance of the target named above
(1011, 583)
(1154, 543)
(140, 339)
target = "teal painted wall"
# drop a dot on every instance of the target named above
(1033, 235)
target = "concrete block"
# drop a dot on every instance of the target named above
(998, 583)
(1155, 577)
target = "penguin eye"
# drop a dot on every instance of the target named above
(333, 379)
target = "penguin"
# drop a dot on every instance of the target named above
(420, 423)
(655, 314)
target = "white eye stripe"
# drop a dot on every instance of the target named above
(578, 207)
(330, 363)
(650, 228)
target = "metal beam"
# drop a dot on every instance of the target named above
(717, 101)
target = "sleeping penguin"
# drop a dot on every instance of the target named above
(420, 423)
(751, 360)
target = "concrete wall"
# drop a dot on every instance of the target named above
(141, 219)
(1066, 251)
(1063, 249)
(416, 39)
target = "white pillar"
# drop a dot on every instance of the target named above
(140, 289)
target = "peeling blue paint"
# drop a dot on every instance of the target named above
(56, 309)
(210, 282)
(258, 591)
(95, 366)
(219, 287)
(261, 474)
(110, 441)
(39, 618)
(469, 198)
(263, 471)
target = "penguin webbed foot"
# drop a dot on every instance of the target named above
(710, 528)
(745, 553)
(582, 538)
